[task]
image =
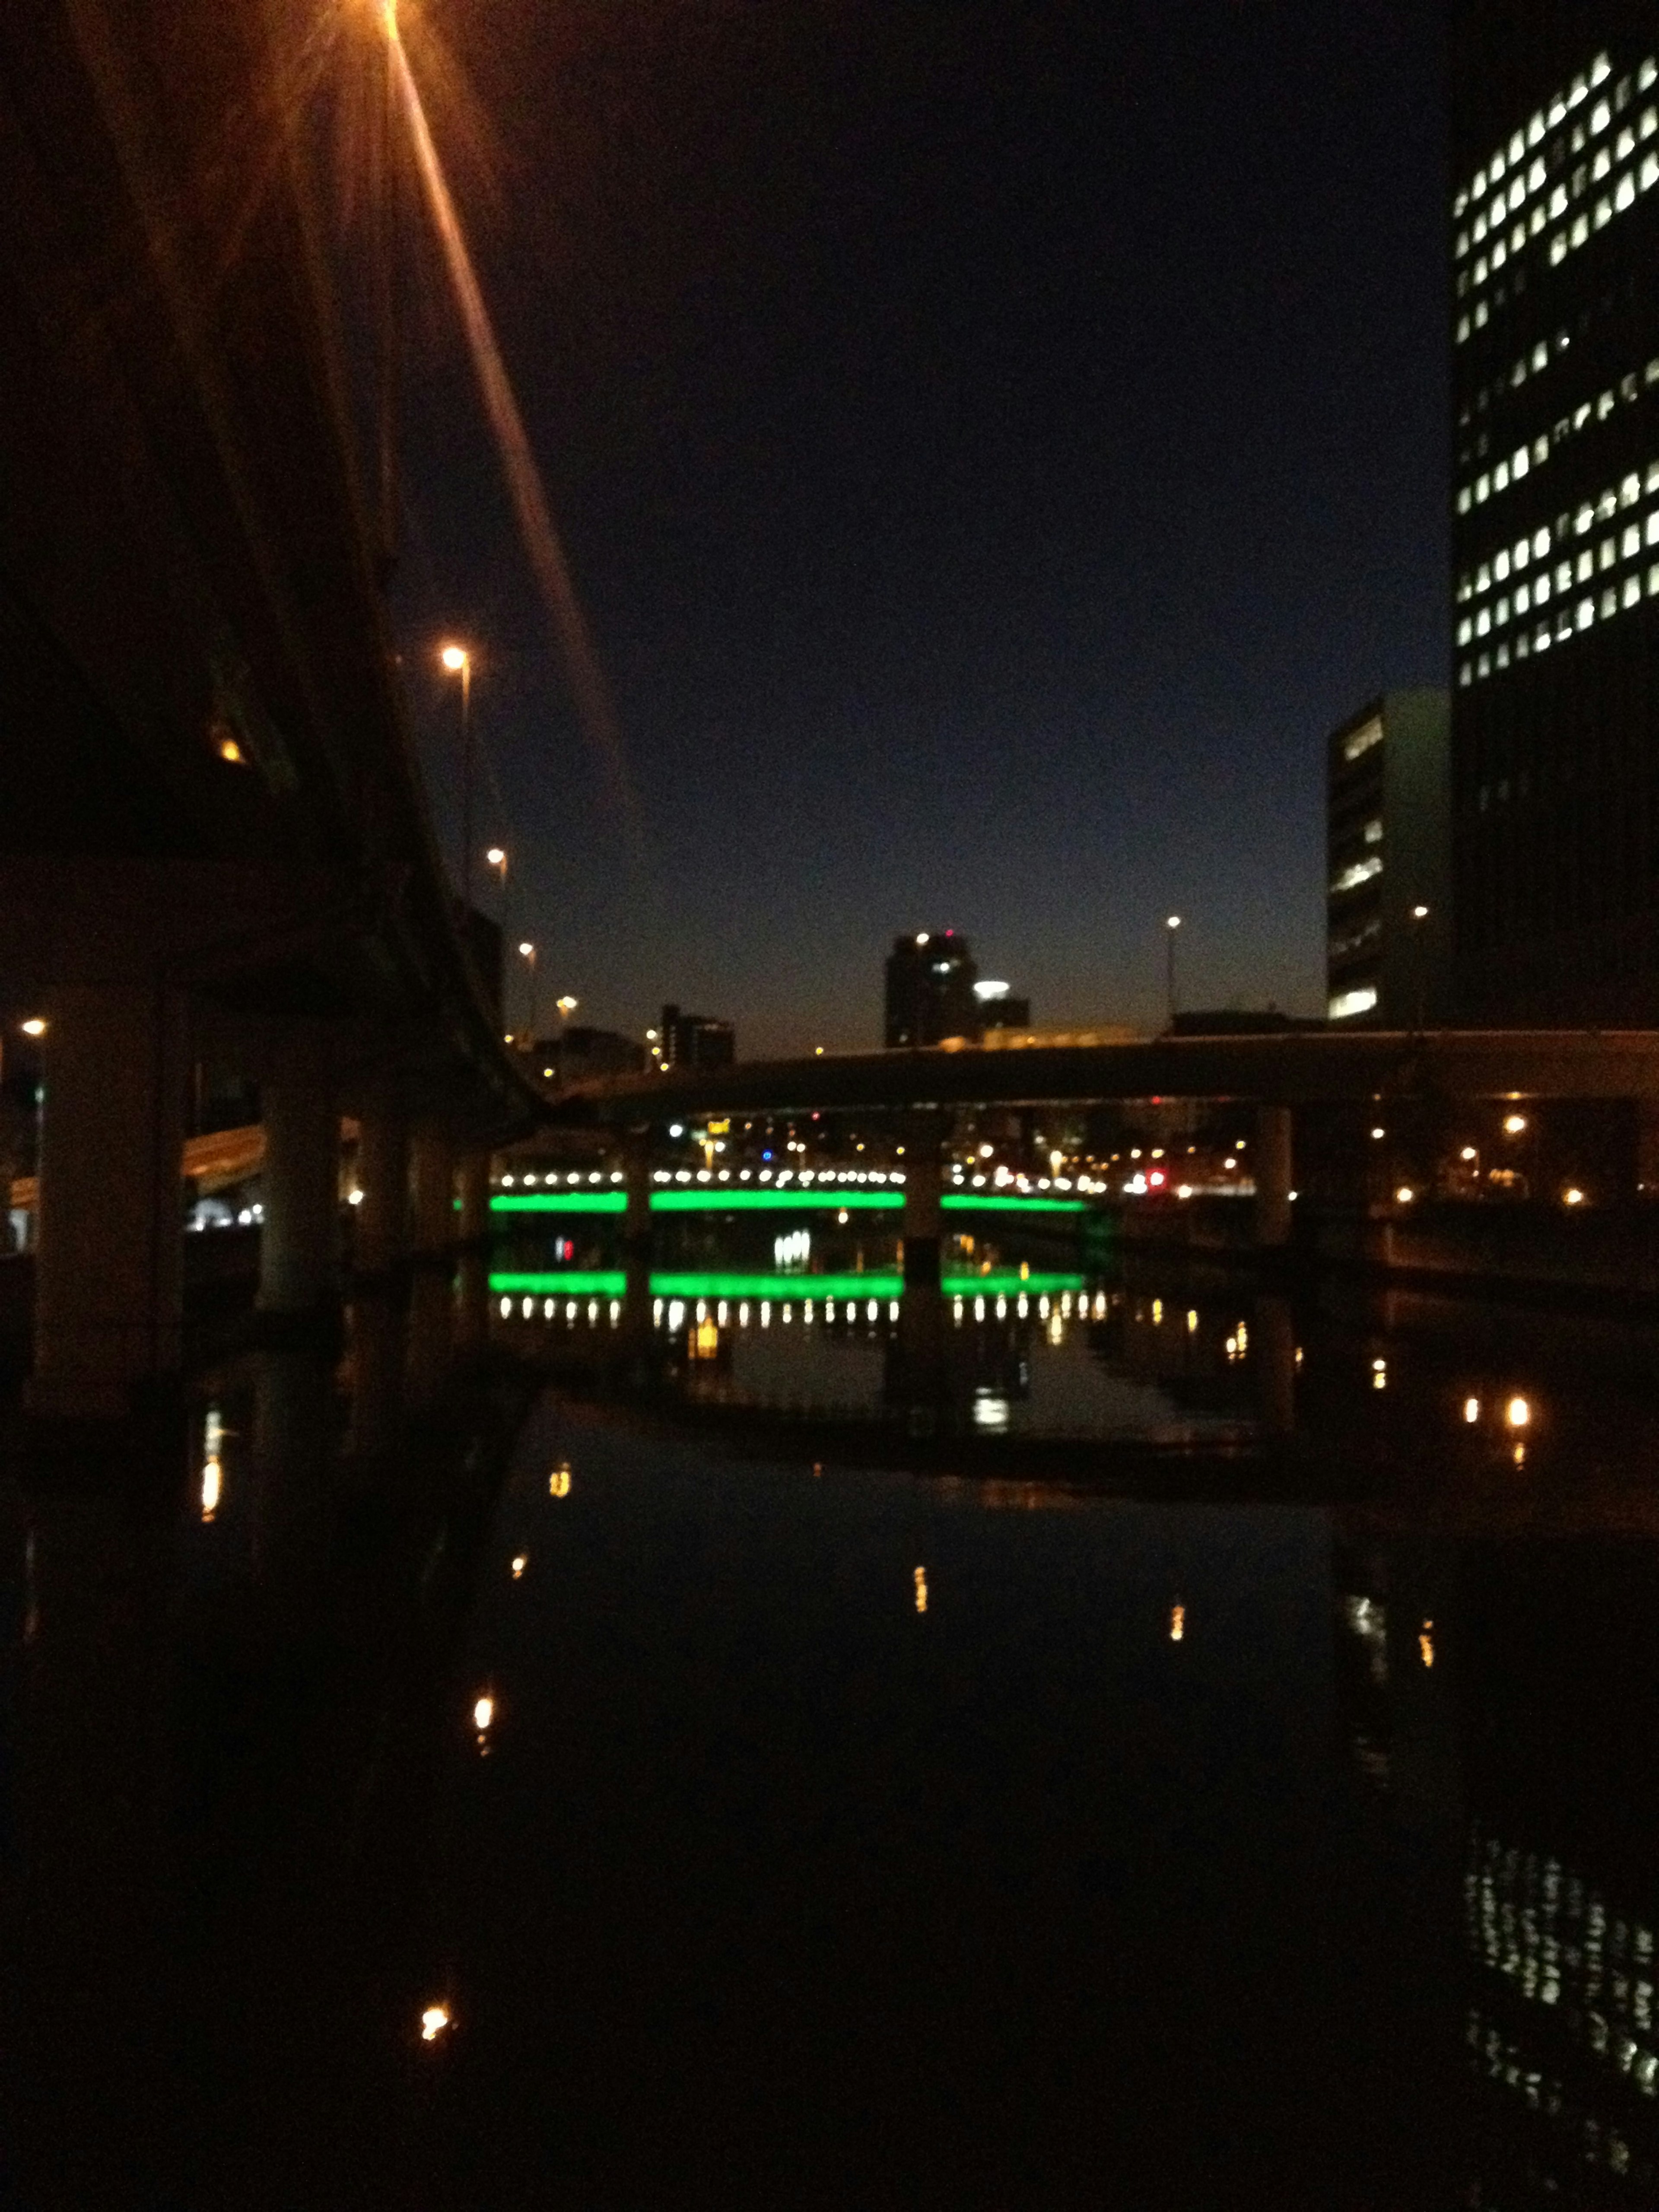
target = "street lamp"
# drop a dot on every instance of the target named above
(567, 1007)
(458, 662)
(527, 954)
(1420, 915)
(1170, 927)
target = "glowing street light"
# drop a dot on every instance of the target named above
(1170, 926)
(34, 1027)
(458, 662)
(527, 954)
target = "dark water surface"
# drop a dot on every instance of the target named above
(1271, 1822)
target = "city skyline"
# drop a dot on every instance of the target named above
(991, 456)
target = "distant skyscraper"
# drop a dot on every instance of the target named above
(930, 989)
(1389, 877)
(696, 1040)
(1555, 726)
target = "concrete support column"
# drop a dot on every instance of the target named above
(431, 1304)
(472, 1309)
(299, 1241)
(1273, 1176)
(1273, 1365)
(637, 1330)
(1647, 1149)
(108, 1283)
(382, 1234)
(378, 1333)
(923, 1221)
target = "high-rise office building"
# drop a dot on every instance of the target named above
(1555, 716)
(1388, 884)
(930, 996)
(694, 1041)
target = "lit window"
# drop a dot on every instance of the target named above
(1346, 1003)
(1632, 590)
(1357, 872)
(1631, 544)
(1584, 614)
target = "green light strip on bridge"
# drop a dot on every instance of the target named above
(861, 1200)
(784, 1290)
(573, 1282)
(830, 1201)
(956, 1201)
(560, 1202)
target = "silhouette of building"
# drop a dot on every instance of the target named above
(1388, 851)
(581, 1053)
(1555, 373)
(695, 1040)
(930, 989)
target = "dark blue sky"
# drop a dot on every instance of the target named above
(994, 442)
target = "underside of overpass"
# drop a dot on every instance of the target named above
(213, 841)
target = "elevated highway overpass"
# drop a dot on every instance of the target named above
(213, 841)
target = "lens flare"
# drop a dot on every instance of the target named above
(524, 481)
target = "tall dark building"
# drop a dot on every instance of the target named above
(1555, 719)
(696, 1040)
(930, 989)
(1388, 890)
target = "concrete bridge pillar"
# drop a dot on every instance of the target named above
(382, 1233)
(299, 1241)
(431, 1305)
(472, 1307)
(1273, 1176)
(924, 1177)
(378, 1333)
(636, 1252)
(108, 1283)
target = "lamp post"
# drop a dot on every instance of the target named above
(1420, 915)
(527, 954)
(1170, 929)
(459, 662)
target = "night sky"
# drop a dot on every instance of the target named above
(994, 443)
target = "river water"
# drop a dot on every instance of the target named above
(1117, 1742)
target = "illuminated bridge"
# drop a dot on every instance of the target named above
(1272, 1073)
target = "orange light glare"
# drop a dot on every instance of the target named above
(920, 1578)
(520, 1563)
(558, 1482)
(433, 2021)
(483, 1712)
(454, 658)
(1517, 1413)
(1471, 1409)
(1178, 1623)
(33, 1027)
(1426, 1643)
